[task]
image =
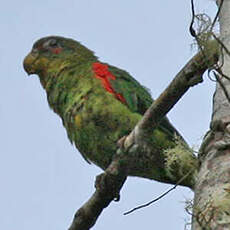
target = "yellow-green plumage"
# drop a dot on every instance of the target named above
(93, 117)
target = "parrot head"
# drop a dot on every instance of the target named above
(55, 52)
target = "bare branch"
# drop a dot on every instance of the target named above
(189, 76)
(158, 198)
(108, 186)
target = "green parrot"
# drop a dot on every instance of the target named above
(97, 102)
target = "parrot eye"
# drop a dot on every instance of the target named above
(53, 43)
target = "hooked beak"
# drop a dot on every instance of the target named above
(29, 62)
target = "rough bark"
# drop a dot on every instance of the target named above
(180, 167)
(212, 190)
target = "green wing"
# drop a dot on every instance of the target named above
(138, 97)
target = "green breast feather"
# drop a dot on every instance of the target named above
(95, 117)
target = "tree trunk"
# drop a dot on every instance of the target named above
(211, 208)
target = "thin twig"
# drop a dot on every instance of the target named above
(222, 44)
(217, 15)
(191, 29)
(209, 75)
(161, 196)
(222, 86)
(222, 74)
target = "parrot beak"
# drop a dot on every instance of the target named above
(29, 62)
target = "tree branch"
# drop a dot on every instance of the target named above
(108, 186)
(109, 183)
(190, 75)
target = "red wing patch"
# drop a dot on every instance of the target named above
(102, 72)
